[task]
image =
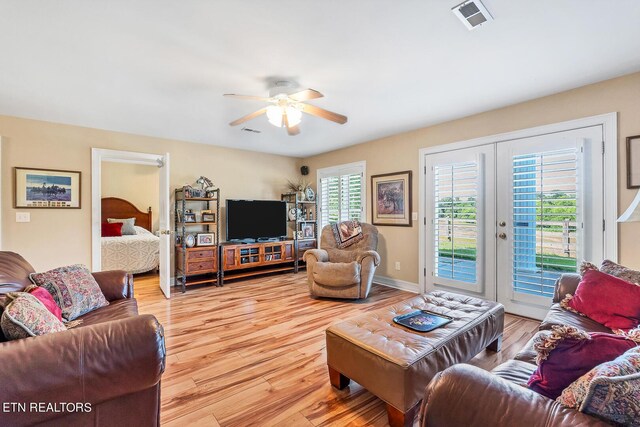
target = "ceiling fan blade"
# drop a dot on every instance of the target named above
(305, 95)
(248, 117)
(293, 130)
(254, 98)
(325, 114)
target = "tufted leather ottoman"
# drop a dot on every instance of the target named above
(396, 363)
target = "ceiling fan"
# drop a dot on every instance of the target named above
(287, 107)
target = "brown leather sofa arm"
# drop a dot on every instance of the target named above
(320, 255)
(375, 257)
(90, 364)
(464, 395)
(566, 284)
(115, 284)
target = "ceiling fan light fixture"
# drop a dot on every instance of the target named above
(274, 114)
(294, 116)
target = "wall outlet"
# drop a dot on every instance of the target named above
(397, 265)
(414, 216)
(23, 217)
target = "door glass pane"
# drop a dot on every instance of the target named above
(545, 219)
(455, 221)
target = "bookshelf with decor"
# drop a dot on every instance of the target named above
(302, 214)
(197, 215)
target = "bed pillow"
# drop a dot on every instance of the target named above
(606, 299)
(567, 353)
(73, 288)
(127, 225)
(25, 316)
(112, 229)
(611, 390)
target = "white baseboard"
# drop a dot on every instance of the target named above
(397, 284)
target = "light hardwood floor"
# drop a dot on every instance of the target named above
(253, 353)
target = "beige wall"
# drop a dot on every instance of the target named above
(400, 152)
(57, 237)
(137, 184)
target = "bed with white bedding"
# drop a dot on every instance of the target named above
(135, 253)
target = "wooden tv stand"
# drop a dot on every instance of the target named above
(239, 260)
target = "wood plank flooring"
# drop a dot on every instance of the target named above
(253, 353)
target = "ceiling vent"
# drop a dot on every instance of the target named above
(472, 14)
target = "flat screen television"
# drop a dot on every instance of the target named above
(251, 220)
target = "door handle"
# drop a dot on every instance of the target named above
(503, 236)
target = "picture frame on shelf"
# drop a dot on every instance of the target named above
(205, 239)
(310, 194)
(190, 217)
(208, 217)
(308, 231)
(391, 201)
(300, 234)
(633, 162)
(46, 188)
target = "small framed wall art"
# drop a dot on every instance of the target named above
(633, 161)
(391, 201)
(46, 188)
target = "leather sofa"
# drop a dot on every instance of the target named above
(343, 273)
(464, 395)
(111, 364)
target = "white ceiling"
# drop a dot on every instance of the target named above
(159, 68)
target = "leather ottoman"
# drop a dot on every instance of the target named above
(396, 363)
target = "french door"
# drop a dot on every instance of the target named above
(508, 218)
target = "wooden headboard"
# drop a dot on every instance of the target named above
(113, 207)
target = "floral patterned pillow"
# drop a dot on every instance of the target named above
(73, 288)
(25, 316)
(611, 390)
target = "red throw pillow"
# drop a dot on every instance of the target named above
(111, 229)
(606, 299)
(567, 353)
(43, 295)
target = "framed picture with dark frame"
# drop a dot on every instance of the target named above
(46, 188)
(633, 161)
(391, 201)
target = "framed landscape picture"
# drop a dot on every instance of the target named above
(391, 201)
(46, 188)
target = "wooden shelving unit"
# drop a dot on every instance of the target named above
(198, 264)
(303, 227)
(251, 259)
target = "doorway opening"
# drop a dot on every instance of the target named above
(133, 189)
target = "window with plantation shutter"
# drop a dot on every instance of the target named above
(545, 219)
(341, 193)
(455, 220)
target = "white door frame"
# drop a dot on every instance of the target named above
(609, 123)
(99, 155)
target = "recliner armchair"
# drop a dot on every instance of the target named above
(343, 273)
